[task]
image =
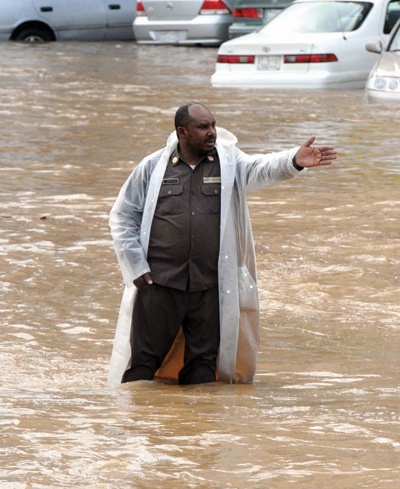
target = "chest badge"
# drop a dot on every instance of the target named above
(170, 181)
(211, 179)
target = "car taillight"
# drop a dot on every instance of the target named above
(235, 59)
(309, 58)
(140, 9)
(249, 13)
(212, 7)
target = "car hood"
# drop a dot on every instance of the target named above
(388, 64)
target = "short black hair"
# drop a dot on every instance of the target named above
(182, 116)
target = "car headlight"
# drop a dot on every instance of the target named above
(393, 84)
(384, 83)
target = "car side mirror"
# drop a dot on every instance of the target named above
(374, 46)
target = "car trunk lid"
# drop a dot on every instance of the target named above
(172, 9)
(272, 54)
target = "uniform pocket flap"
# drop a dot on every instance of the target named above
(167, 190)
(211, 189)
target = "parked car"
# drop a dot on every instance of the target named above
(65, 20)
(189, 22)
(249, 15)
(383, 84)
(311, 44)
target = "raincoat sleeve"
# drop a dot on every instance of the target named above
(262, 170)
(126, 221)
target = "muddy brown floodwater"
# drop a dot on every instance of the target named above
(324, 411)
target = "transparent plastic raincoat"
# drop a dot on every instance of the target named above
(130, 222)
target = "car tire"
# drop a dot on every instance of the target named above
(34, 34)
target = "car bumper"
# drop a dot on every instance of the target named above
(380, 96)
(207, 30)
(308, 80)
(5, 34)
(241, 30)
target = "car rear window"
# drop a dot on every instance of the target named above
(319, 17)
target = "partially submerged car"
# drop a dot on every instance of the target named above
(188, 22)
(383, 84)
(311, 44)
(66, 20)
(249, 15)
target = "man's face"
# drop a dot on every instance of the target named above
(200, 133)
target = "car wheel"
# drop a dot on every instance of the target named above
(34, 34)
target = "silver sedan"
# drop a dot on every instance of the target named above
(189, 22)
(66, 20)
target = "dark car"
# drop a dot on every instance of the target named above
(249, 15)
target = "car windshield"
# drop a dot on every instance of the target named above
(395, 42)
(319, 17)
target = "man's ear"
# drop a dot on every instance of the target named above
(181, 132)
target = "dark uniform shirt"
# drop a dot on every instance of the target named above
(184, 239)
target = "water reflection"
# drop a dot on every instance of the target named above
(75, 119)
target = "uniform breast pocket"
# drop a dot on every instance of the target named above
(211, 198)
(171, 190)
(169, 200)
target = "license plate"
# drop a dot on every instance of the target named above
(167, 36)
(269, 63)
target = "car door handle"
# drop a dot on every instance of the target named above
(114, 6)
(46, 9)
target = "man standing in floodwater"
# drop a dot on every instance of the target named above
(182, 235)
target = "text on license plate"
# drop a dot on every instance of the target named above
(269, 63)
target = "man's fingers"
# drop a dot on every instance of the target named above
(309, 141)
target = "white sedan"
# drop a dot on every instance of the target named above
(383, 84)
(311, 44)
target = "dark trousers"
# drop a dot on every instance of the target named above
(158, 313)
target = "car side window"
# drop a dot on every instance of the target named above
(392, 16)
